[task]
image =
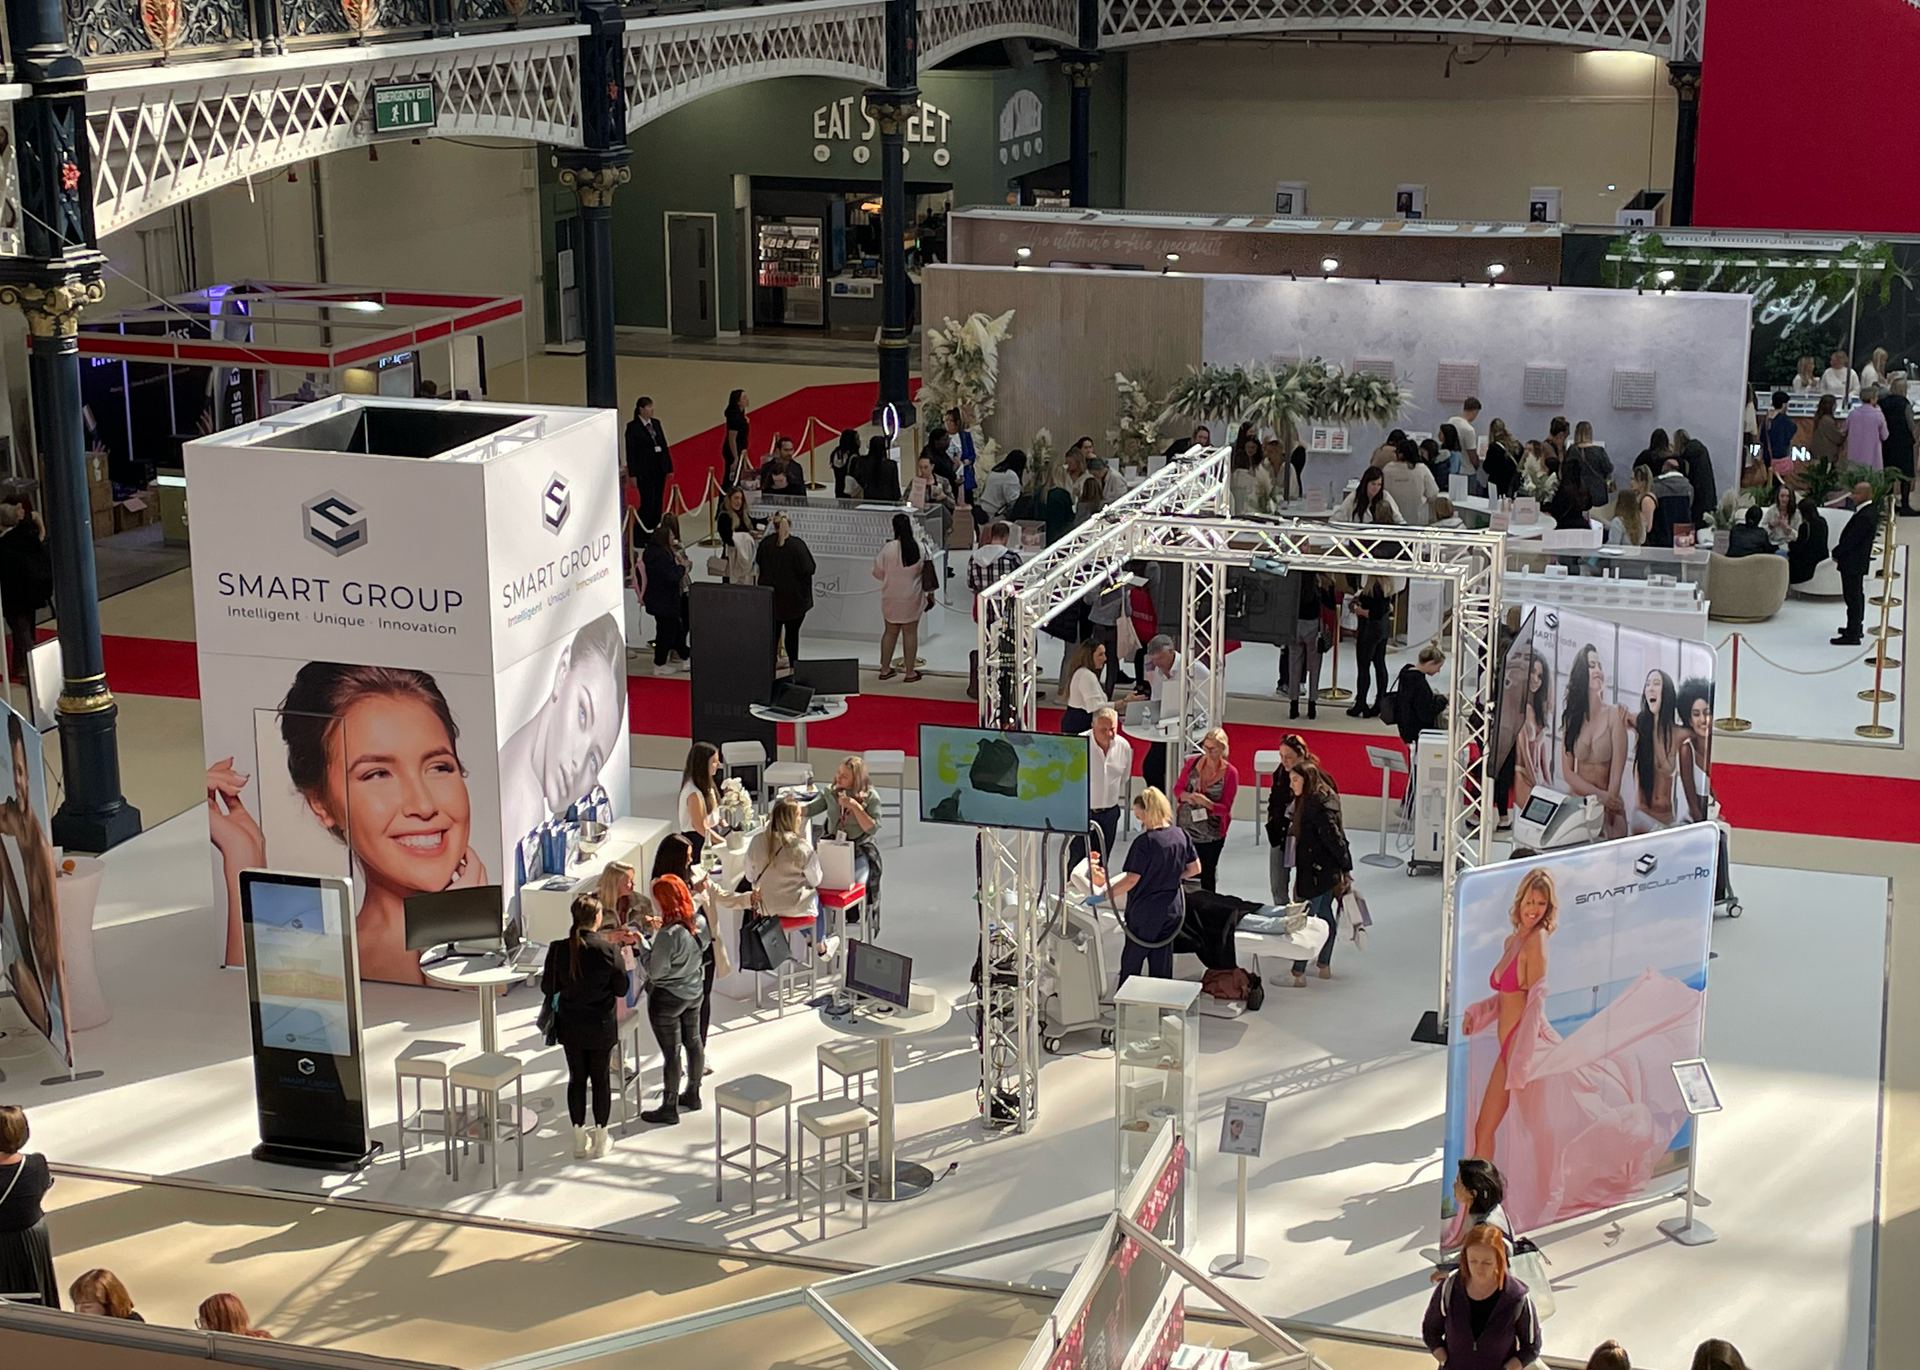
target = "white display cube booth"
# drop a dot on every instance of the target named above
(410, 643)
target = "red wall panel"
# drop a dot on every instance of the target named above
(1791, 93)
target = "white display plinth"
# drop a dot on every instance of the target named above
(410, 643)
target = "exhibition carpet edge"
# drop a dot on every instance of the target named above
(1872, 808)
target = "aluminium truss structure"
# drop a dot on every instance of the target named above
(1179, 516)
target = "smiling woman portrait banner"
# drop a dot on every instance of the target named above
(398, 655)
(1579, 977)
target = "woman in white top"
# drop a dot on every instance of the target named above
(1410, 485)
(1368, 501)
(1806, 381)
(698, 811)
(1782, 520)
(1875, 371)
(1085, 666)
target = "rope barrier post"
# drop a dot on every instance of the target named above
(1733, 723)
(1334, 692)
(1886, 597)
(1879, 695)
(711, 487)
(813, 452)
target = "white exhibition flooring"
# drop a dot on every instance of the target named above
(1342, 1203)
(1792, 681)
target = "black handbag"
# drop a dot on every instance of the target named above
(548, 1022)
(763, 943)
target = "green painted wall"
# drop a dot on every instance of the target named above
(686, 161)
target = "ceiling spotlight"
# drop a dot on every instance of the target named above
(363, 306)
(1664, 275)
(1023, 252)
(1172, 257)
(1495, 270)
(1329, 264)
(1612, 186)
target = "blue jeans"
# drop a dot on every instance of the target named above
(1322, 906)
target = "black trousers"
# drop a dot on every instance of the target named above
(20, 626)
(1853, 588)
(1108, 821)
(588, 1066)
(791, 628)
(1370, 653)
(706, 1000)
(1153, 766)
(669, 635)
(676, 1026)
(1209, 854)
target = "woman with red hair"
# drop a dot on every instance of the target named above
(225, 1313)
(1480, 1317)
(676, 940)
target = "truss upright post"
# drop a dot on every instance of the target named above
(58, 275)
(593, 172)
(891, 106)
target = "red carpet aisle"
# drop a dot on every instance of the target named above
(1760, 798)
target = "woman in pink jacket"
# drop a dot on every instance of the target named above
(1204, 794)
(900, 568)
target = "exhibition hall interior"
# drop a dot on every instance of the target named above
(957, 685)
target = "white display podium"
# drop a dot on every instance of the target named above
(410, 643)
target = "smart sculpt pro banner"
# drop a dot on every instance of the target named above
(410, 645)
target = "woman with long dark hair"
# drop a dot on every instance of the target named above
(903, 595)
(1656, 754)
(1294, 751)
(699, 804)
(665, 598)
(841, 459)
(1696, 746)
(1373, 625)
(585, 979)
(876, 474)
(1323, 863)
(733, 439)
(1593, 732)
(1532, 756)
(1369, 501)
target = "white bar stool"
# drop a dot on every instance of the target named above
(488, 1075)
(752, 1097)
(836, 1120)
(634, 1029)
(1266, 765)
(784, 773)
(746, 755)
(422, 1060)
(891, 765)
(852, 1059)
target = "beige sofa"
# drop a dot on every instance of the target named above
(1745, 589)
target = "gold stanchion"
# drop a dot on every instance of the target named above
(1334, 692)
(813, 452)
(1879, 695)
(1886, 599)
(1733, 723)
(711, 488)
(1879, 658)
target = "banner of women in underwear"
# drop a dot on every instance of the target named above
(1579, 977)
(30, 954)
(408, 662)
(1588, 707)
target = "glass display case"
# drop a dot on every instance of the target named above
(1156, 1077)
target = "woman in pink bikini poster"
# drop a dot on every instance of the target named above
(1578, 979)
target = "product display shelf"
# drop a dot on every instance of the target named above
(1156, 1074)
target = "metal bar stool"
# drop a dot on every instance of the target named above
(852, 1059)
(836, 1120)
(752, 1097)
(891, 765)
(1266, 765)
(635, 1028)
(487, 1075)
(796, 976)
(834, 907)
(747, 755)
(423, 1060)
(783, 774)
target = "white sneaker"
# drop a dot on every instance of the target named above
(599, 1142)
(667, 668)
(581, 1143)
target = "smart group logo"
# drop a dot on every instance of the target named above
(334, 523)
(556, 503)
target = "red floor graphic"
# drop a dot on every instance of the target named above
(1869, 807)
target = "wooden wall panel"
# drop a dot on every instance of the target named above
(1071, 331)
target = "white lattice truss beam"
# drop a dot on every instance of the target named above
(164, 135)
(1665, 28)
(1177, 515)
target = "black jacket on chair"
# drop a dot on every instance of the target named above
(1853, 553)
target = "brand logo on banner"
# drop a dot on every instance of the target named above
(334, 523)
(556, 503)
(305, 1065)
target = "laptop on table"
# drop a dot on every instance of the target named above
(790, 700)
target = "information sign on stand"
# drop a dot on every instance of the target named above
(1242, 1129)
(1388, 762)
(1697, 1091)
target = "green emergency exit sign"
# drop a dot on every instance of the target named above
(403, 108)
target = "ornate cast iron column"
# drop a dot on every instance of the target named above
(56, 277)
(1079, 67)
(891, 107)
(1685, 77)
(592, 172)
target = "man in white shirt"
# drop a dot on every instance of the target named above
(1839, 379)
(1180, 689)
(1463, 425)
(1109, 778)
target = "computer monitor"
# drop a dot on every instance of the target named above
(471, 914)
(879, 974)
(840, 676)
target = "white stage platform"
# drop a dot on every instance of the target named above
(1342, 1203)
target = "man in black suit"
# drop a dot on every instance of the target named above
(648, 461)
(1852, 555)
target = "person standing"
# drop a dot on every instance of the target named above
(1303, 661)
(1828, 438)
(1322, 863)
(1502, 465)
(1000, 491)
(1205, 791)
(901, 567)
(225, 1313)
(26, 1252)
(1480, 1317)
(787, 568)
(1419, 707)
(876, 474)
(1867, 430)
(1410, 486)
(1369, 502)
(665, 599)
(1181, 689)
(841, 459)
(1776, 432)
(734, 435)
(98, 1293)
(1156, 864)
(675, 954)
(1595, 467)
(698, 807)
(1852, 556)
(933, 492)
(584, 979)
(649, 463)
(1373, 625)
(1109, 777)
(26, 582)
(674, 856)
(1897, 452)
(1464, 431)
(1084, 697)
(1293, 752)
(960, 452)
(1839, 380)
(780, 474)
